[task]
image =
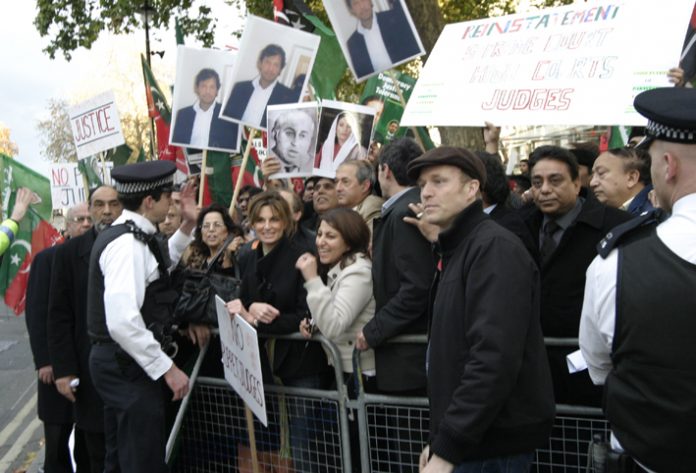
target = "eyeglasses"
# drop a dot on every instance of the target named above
(84, 218)
(213, 226)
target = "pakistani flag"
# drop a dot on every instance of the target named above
(35, 233)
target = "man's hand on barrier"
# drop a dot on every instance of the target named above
(177, 381)
(63, 386)
(199, 334)
(423, 460)
(264, 313)
(361, 342)
(437, 465)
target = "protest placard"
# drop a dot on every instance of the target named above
(96, 125)
(380, 93)
(67, 184)
(292, 137)
(241, 360)
(580, 64)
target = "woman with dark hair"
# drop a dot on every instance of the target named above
(340, 297)
(213, 227)
(274, 300)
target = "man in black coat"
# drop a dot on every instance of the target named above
(395, 37)
(402, 271)
(248, 100)
(55, 411)
(199, 116)
(68, 341)
(489, 384)
(567, 226)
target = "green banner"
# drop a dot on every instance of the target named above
(383, 88)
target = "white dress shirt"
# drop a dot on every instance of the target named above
(598, 310)
(379, 56)
(128, 267)
(200, 133)
(257, 102)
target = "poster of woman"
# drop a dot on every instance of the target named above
(345, 131)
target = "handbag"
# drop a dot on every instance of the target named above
(196, 303)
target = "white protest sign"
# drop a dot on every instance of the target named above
(580, 64)
(241, 361)
(67, 185)
(95, 125)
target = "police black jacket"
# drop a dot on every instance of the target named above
(488, 379)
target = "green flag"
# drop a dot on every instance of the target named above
(86, 168)
(125, 154)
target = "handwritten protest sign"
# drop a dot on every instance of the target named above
(241, 361)
(95, 125)
(67, 184)
(574, 65)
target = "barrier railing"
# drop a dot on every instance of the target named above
(211, 433)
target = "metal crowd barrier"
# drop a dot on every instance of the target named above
(210, 432)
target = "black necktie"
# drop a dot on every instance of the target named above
(548, 244)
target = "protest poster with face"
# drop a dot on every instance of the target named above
(267, 71)
(292, 137)
(345, 132)
(375, 35)
(197, 102)
(381, 93)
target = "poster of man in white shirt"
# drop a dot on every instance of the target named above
(375, 35)
(272, 68)
(195, 122)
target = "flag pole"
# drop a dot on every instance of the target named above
(240, 175)
(201, 184)
(403, 104)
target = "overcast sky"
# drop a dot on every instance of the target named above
(29, 78)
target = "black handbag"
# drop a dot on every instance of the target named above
(196, 303)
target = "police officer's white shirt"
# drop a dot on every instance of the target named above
(128, 267)
(379, 56)
(200, 132)
(598, 310)
(257, 102)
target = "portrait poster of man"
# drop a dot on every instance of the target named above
(345, 132)
(272, 68)
(375, 35)
(380, 92)
(197, 103)
(292, 137)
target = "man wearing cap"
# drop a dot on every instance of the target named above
(491, 401)
(637, 325)
(128, 319)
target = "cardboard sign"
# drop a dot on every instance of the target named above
(241, 361)
(67, 185)
(581, 64)
(96, 126)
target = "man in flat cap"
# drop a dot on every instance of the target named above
(128, 319)
(637, 325)
(490, 393)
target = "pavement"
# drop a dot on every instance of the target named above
(21, 432)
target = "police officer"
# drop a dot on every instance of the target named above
(129, 320)
(638, 324)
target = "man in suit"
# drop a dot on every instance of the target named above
(68, 342)
(55, 412)
(199, 125)
(402, 273)
(381, 39)
(249, 99)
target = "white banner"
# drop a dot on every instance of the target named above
(241, 361)
(580, 64)
(67, 185)
(96, 126)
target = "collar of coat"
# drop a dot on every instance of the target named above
(463, 226)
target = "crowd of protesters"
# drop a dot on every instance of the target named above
(441, 243)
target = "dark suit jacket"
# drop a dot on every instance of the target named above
(397, 36)
(68, 341)
(402, 272)
(563, 289)
(223, 134)
(241, 93)
(52, 406)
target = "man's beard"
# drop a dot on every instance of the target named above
(99, 226)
